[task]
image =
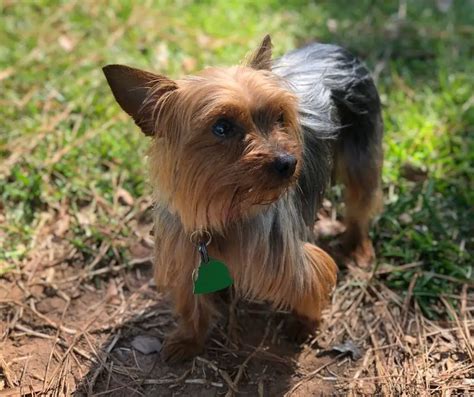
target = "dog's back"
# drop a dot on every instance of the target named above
(340, 113)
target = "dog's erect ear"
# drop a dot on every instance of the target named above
(261, 59)
(136, 91)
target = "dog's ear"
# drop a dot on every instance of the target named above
(137, 91)
(261, 59)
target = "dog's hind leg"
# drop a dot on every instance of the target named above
(362, 202)
(358, 159)
(358, 167)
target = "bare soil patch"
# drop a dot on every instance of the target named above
(67, 324)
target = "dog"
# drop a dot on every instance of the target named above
(240, 159)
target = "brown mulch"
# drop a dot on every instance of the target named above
(68, 321)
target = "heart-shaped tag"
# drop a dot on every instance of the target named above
(212, 276)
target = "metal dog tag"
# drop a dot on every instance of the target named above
(212, 276)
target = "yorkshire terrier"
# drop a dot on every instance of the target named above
(240, 159)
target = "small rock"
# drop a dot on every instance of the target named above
(146, 344)
(348, 347)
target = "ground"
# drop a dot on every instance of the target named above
(76, 298)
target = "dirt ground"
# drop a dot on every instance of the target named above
(67, 325)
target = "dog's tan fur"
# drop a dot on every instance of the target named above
(224, 187)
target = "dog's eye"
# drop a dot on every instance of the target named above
(223, 128)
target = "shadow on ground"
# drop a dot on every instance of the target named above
(266, 362)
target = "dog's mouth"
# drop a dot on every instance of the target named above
(265, 198)
(240, 199)
(250, 200)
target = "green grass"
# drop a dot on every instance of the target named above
(51, 55)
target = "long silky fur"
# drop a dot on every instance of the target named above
(263, 233)
(266, 253)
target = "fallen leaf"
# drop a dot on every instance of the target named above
(326, 227)
(189, 64)
(50, 275)
(112, 293)
(203, 40)
(146, 344)
(62, 225)
(140, 250)
(413, 173)
(405, 219)
(5, 73)
(124, 197)
(86, 216)
(66, 43)
(162, 55)
(367, 389)
(332, 25)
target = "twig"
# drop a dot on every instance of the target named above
(54, 344)
(242, 367)
(105, 270)
(381, 370)
(203, 382)
(221, 372)
(167, 381)
(312, 374)
(22, 391)
(6, 372)
(406, 303)
(50, 322)
(102, 362)
(61, 342)
(463, 336)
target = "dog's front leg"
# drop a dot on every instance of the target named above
(195, 315)
(320, 273)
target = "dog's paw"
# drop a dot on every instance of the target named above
(362, 255)
(299, 329)
(178, 348)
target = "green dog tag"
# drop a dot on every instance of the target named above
(212, 276)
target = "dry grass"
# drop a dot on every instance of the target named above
(69, 329)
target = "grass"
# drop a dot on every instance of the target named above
(64, 140)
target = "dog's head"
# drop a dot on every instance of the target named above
(226, 142)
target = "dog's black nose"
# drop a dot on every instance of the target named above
(285, 165)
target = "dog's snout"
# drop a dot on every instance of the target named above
(285, 165)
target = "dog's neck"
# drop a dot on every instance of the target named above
(266, 218)
(271, 241)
